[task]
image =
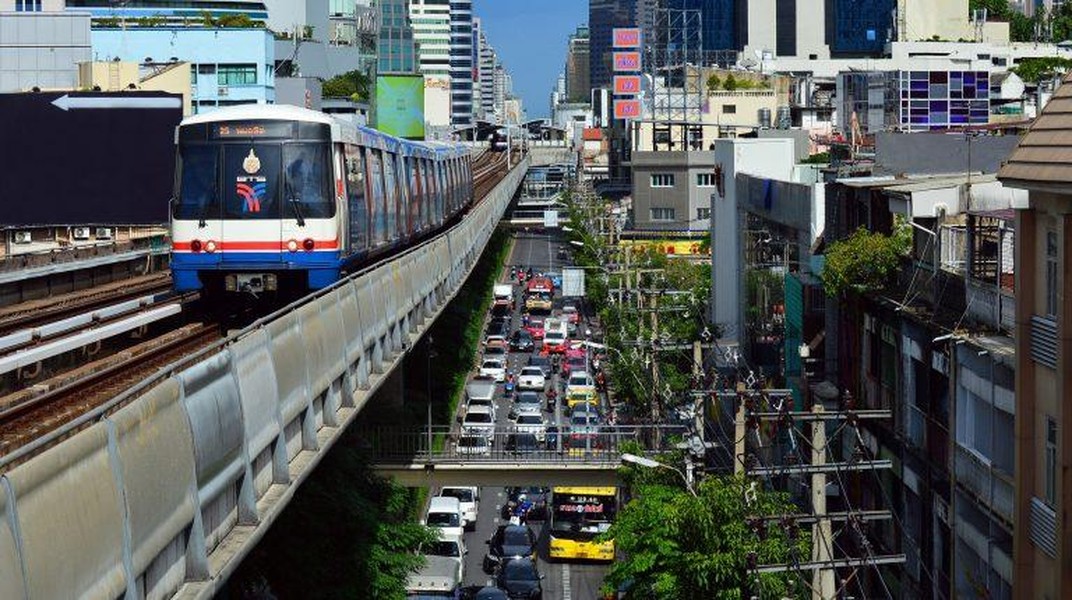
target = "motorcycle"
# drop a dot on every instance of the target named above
(509, 385)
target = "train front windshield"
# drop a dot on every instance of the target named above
(236, 178)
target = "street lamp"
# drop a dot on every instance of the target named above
(654, 464)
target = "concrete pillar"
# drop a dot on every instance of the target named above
(1027, 265)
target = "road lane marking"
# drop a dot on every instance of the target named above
(567, 593)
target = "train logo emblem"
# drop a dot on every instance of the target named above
(251, 164)
(251, 189)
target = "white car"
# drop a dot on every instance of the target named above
(479, 420)
(494, 368)
(445, 514)
(532, 423)
(449, 546)
(468, 498)
(472, 445)
(531, 378)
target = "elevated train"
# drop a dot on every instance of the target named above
(280, 198)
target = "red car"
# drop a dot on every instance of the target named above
(573, 363)
(535, 328)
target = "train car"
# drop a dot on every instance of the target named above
(272, 198)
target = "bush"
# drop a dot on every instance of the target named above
(864, 261)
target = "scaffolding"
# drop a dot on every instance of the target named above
(674, 63)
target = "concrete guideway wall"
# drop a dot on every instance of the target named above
(165, 496)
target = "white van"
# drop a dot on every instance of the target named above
(469, 499)
(449, 546)
(555, 332)
(445, 514)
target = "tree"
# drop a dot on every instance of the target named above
(679, 546)
(731, 83)
(1035, 70)
(353, 85)
(713, 82)
(864, 260)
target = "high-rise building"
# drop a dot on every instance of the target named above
(41, 45)
(461, 62)
(430, 20)
(397, 51)
(797, 29)
(603, 17)
(486, 67)
(578, 80)
(860, 27)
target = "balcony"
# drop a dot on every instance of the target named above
(991, 487)
(1044, 340)
(991, 306)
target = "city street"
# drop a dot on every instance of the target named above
(562, 581)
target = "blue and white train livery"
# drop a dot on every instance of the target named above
(272, 197)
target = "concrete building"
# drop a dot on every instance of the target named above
(920, 20)
(795, 29)
(1042, 548)
(228, 66)
(41, 47)
(173, 12)
(118, 76)
(578, 80)
(324, 40)
(917, 100)
(430, 20)
(463, 46)
(397, 51)
(603, 17)
(486, 78)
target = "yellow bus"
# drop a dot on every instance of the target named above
(578, 516)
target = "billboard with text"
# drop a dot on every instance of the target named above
(627, 109)
(626, 62)
(626, 85)
(626, 37)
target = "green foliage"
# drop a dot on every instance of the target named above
(106, 22)
(346, 534)
(731, 83)
(236, 21)
(353, 85)
(864, 261)
(713, 82)
(1034, 70)
(683, 547)
(821, 158)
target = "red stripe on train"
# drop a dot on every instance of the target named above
(265, 246)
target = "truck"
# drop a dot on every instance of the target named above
(503, 299)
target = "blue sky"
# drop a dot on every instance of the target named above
(530, 37)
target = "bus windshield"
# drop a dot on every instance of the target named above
(581, 516)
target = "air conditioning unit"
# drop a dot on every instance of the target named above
(103, 233)
(80, 233)
(222, 91)
(23, 237)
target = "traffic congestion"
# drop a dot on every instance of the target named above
(537, 387)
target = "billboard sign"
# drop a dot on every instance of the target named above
(627, 109)
(626, 85)
(626, 62)
(550, 218)
(626, 37)
(572, 282)
(400, 105)
(87, 158)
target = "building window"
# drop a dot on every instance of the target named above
(1051, 461)
(729, 109)
(706, 180)
(662, 214)
(238, 74)
(27, 5)
(662, 180)
(1051, 273)
(703, 213)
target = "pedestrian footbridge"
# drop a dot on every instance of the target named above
(572, 457)
(163, 491)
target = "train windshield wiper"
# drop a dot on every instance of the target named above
(202, 214)
(295, 203)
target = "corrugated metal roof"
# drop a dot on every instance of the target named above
(1043, 155)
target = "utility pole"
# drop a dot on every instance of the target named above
(823, 587)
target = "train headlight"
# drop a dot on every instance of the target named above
(308, 244)
(292, 245)
(195, 246)
(210, 246)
